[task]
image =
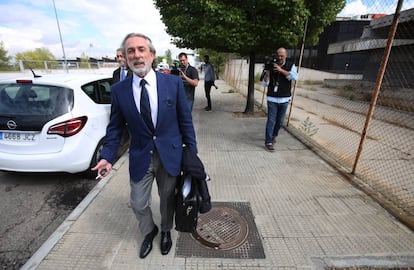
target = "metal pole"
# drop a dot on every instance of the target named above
(299, 64)
(378, 82)
(60, 36)
(264, 92)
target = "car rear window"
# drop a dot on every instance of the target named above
(19, 99)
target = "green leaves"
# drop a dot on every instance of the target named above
(38, 54)
(4, 58)
(36, 57)
(246, 27)
(234, 26)
(322, 13)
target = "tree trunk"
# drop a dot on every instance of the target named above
(250, 89)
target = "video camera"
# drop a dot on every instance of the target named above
(174, 70)
(270, 62)
(181, 67)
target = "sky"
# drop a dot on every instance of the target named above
(361, 7)
(97, 27)
(93, 27)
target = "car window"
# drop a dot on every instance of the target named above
(91, 91)
(99, 91)
(35, 100)
(105, 91)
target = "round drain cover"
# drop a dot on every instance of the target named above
(221, 228)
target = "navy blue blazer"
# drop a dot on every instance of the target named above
(174, 127)
(116, 75)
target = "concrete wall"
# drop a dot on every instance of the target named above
(238, 69)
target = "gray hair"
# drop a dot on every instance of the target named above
(121, 50)
(130, 35)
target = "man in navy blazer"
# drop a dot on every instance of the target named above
(155, 150)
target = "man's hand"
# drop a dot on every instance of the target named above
(103, 167)
(279, 69)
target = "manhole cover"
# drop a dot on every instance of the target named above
(226, 231)
(221, 228)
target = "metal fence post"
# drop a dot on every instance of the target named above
(378, 82)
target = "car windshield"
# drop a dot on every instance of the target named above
(34, 99)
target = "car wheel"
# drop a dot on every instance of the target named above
(94, 161)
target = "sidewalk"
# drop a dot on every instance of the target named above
(306, 214)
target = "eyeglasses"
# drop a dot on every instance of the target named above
(119, 56)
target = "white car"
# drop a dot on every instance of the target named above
(54, 123)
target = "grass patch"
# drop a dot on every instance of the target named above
(312, 82)
(308, 127)
(257, 77)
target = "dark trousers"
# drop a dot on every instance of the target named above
(207, 89)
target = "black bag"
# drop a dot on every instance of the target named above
(192, 165)
(187, 204)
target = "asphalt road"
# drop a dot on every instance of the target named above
(32, 206)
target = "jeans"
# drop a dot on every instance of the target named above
(275, 116)
(190, 104)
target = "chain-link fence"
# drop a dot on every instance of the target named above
(343, 106)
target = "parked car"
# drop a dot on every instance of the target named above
(54, 123)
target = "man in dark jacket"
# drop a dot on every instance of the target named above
(189, 75)
(122, 71)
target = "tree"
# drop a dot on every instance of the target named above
(84, 60)
(168, 56)
(322, 14)
(158, 59)
(35, 58)
(4, 59)
(245, 27)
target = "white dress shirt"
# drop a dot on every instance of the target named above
(152, 93)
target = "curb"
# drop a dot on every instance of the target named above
(48, 245)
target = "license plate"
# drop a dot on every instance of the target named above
(17, 136)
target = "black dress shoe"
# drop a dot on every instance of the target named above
(147, 243)
(166, 242)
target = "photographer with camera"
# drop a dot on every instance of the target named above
(189, 75)
(174, 70)
(278, 76)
